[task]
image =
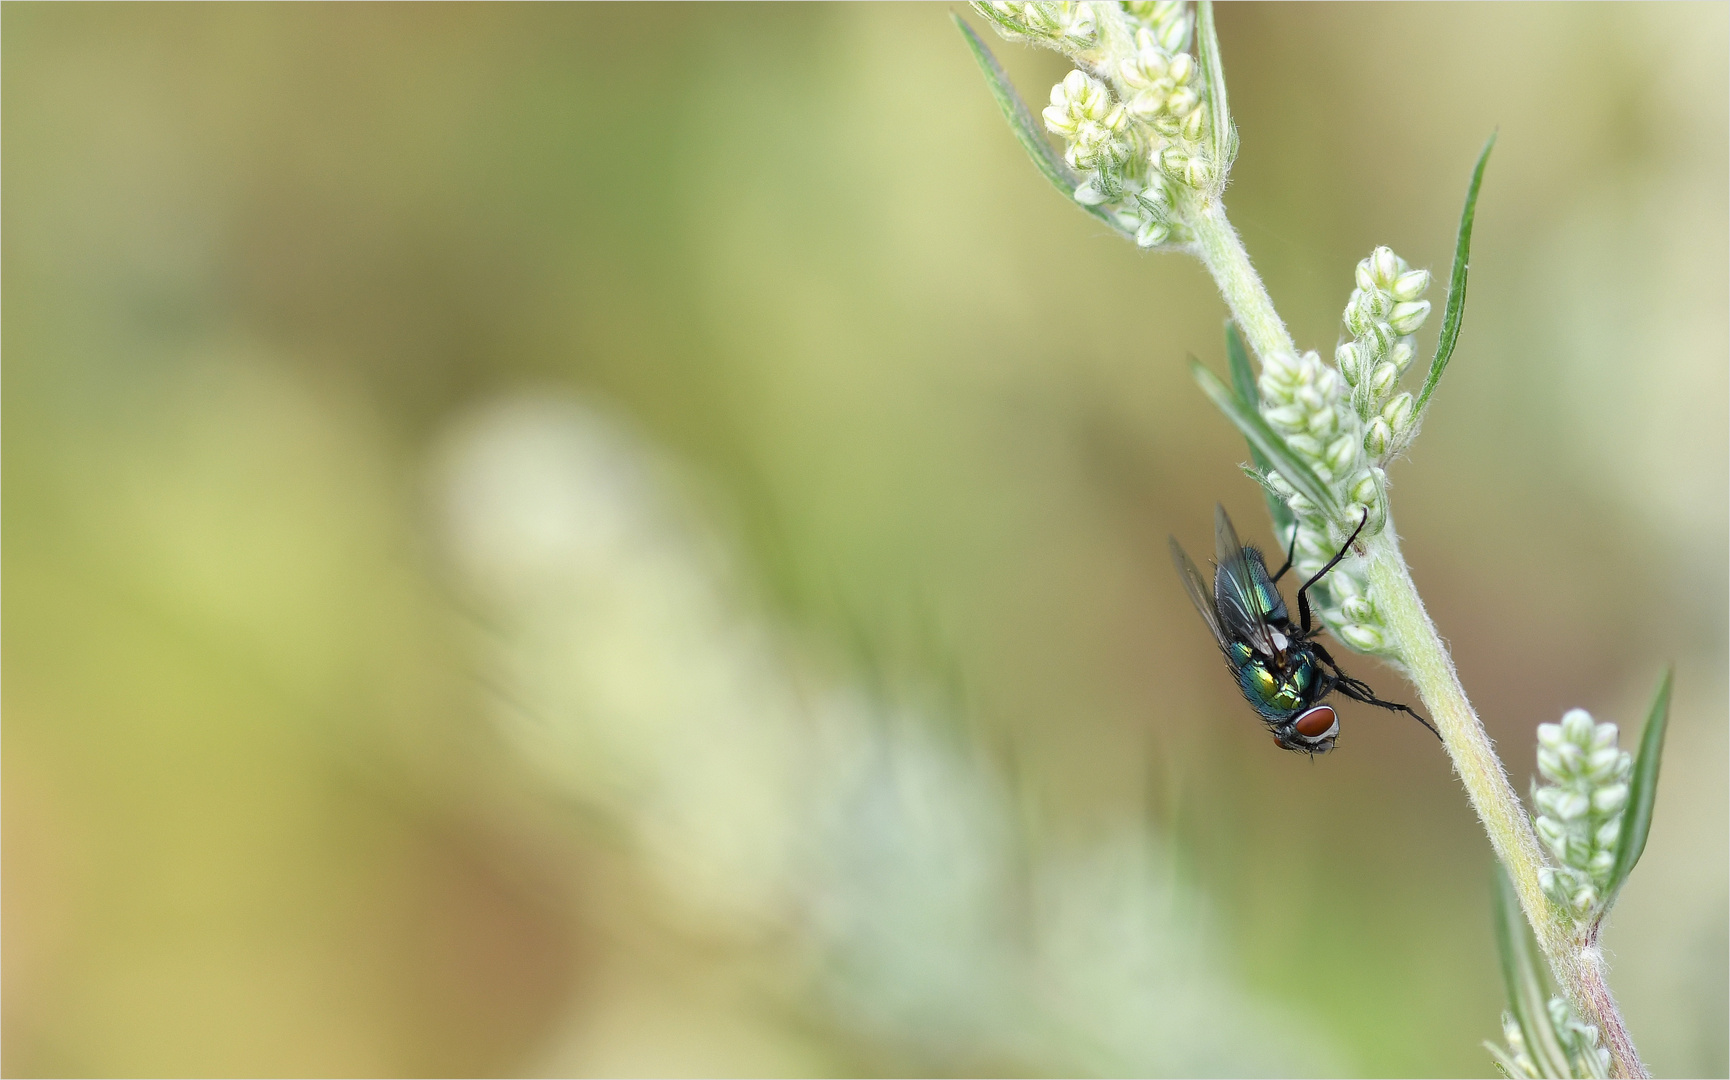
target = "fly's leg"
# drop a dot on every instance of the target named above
(1303, 597)
(1358, 690)
(1290, 550)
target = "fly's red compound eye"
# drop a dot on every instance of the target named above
(1316, 722)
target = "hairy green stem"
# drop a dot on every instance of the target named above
(1217, 244)
(1573, 956)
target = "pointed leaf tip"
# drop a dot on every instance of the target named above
(1455, 312)
(1642, 788)
(1222, 137)
(1025, 127)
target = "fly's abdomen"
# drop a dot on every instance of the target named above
(1275, 696)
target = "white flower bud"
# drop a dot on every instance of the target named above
(1549, 762)
(1285, 417)
(1348, 358)
(1577, 727)
(1174, 34)
(1401, 354)
(1357, 324)
(1398, 412)
(1408, 316)
(1324, 422)
(1364, 488)
(1383, 379)
(1182, 101)
(1307, 445)
(1601, 863)
(1572, 757)
(1611, 831)
(1143, 70)
(1313, 545)
(1146, 105)
(1197, 173)
(1550, 736)
(1602, 763)
(1570, 804)
(1374, 304)
(1152, 233)
(1340, 453)
(1365, 276)
(1358, 609)
(1087, 193)
(1388, 266)
(1411, 284)
(1604, 735)
(1193, 123)
(1182, 68)
(1551, 830)
(1360, 637)
(1380, 337)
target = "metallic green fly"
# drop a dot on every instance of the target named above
(1281, 669)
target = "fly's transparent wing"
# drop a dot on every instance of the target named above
(1196, 586)
(1237, 592)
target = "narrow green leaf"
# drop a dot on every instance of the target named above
(1242, 375)
(1243, 379)
(1027, 130)
(1455, 311)
(1265, 439)
(1222, 140)
(1642, 789)
(1528, 997)
(1504, 1063)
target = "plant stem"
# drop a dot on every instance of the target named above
(1601, 1009)
(1223, 252)
(1576, 963)
(1573, 957)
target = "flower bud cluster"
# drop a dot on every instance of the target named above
(1096, 127)
(1168, 20)
(1580, 810)
(1067, 26)
(1165, 94)
(1384, 312)
(1578, 1040)
(1134, 113)
(1109, 147)
(1309, 404)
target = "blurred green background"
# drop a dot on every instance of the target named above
(262, 261)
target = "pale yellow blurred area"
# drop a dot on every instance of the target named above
(630, 541)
